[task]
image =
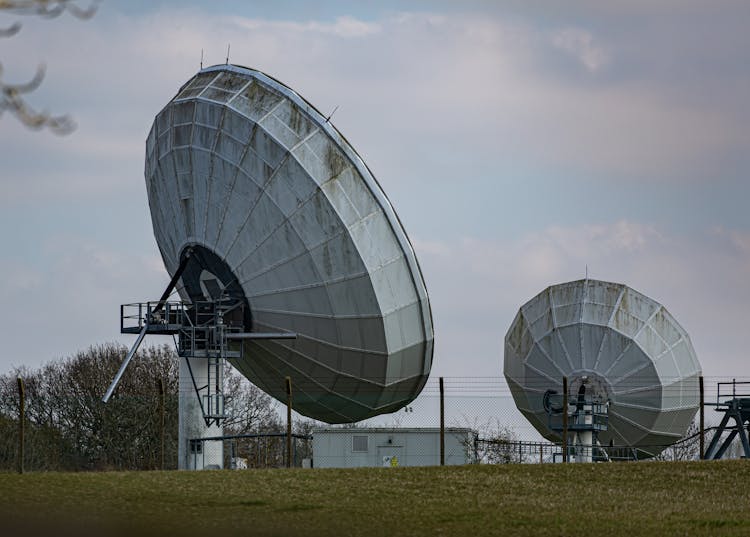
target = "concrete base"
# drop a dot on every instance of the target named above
(196, 455)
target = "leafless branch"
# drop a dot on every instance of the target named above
(49, 8)
(43, 8)
(11, 99)
(11, 96)
(11, 30)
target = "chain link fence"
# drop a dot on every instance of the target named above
(479, 424)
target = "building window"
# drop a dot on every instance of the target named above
(196, 446)
(359, 443)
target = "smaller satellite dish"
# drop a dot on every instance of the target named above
(617, 347)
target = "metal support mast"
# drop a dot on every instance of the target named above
(207, 333)
(736, 408)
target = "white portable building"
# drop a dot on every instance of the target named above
(357, 447)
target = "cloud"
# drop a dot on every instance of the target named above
(74, 300)
(435, 103)
(477, 285)
(739, 240)
(344, 26)
(17, 280)
(580, 43)
(408, 84)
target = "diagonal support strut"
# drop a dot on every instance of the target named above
(144, 330)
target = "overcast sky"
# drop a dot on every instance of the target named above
(519, 143)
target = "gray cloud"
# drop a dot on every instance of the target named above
(478, 285)
(491, 83)
(456, 112)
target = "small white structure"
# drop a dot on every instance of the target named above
(195, 454)
(390, 447)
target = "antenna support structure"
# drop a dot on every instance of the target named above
(207, 334)
(279, 255)
(735, 406)
(587, 417)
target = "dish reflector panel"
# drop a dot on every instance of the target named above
(631, 351)
(282, 213)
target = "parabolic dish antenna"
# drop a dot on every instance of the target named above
(625, 347)
(265, 202)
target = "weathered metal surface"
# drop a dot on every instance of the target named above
(629, 347)
(241, 166)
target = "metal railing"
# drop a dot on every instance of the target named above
(588, 414)
(158, 315)
(727, 391)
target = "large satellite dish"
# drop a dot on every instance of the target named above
(627, 349)
(256, 196)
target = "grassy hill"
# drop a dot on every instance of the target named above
(647, 498)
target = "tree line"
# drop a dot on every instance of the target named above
(68, 428)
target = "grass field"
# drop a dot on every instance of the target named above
(692, 498)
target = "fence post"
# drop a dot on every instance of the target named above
(442, 423)
(702, 423)
(160, 383)
(21, 423)
(288, 422)
(565, 420)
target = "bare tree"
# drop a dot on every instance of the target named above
(69, 428)
(494, 443)
(252, 412)
(498, 445)
(685, 449)
(13, 96)
(249, 409)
